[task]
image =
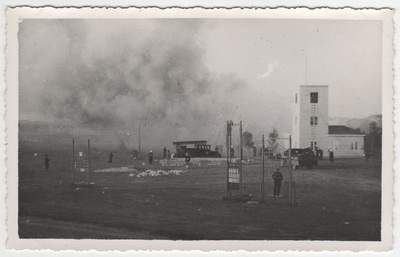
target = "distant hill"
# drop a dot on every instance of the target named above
(362, 124)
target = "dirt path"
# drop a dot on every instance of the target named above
(36, 227)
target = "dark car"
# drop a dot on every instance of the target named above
(300, 157)
(198, 148)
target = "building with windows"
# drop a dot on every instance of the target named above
(310, 124)
(345, 141)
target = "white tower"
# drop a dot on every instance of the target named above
(310, 117)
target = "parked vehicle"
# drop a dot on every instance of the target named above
(198, 148)
(300, 157)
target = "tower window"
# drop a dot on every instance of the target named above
(314, 97)
(295, 98)
(313, 120)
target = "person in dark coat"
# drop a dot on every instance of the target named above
(331, 157)
(110, 157)
(151, 157)
(47, 162)
(232, 152)
(165, 153)
(277, 177)
(187, 159)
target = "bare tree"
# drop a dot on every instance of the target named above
(272, 138)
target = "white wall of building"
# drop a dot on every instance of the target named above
(302, 113)
(347, 145)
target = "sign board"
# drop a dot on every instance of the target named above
(81, 162)
(234, 176)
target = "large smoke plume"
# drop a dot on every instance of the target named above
(112, 75)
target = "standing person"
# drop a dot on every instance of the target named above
(331, 157)
(151, 157)
(165, 153)
(187, 159)
(47, 162)
(110, 158)
(168, 157)
(321, 154)
(232, 152)
(277, 177)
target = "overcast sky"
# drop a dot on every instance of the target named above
(182, 79)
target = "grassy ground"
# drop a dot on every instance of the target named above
(334, 202)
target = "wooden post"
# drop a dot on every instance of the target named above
(139, 139)
(88, 168)
(290, 170)
(241, 158)
(73, 160)
(227, 158)
(263, 172)
(230, 148)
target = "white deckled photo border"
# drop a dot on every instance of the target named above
(15, 15)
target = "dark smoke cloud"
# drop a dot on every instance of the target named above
(113, 75)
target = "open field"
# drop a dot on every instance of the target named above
(334, 202)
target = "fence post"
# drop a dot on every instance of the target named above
(88, 168)
(263, 172)
(241, 158)
(73, 160)
(290, 170)
(227, 158)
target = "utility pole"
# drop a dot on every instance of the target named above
(88, 167)
(227, 156)
(139, 138)
(241, 157)
(263, 172)
(290, 170)
(230, 140)
(73, 160)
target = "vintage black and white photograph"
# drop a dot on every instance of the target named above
(202, 128)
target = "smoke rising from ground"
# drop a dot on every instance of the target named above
(112, 75)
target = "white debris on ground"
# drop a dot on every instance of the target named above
(118, 169)
(155, 173)
(135, 173)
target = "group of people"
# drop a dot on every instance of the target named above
(319, 153)
(166, 154)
